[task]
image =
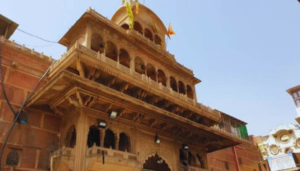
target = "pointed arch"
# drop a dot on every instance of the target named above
(93, 136)
(181, 87)
(97, 43)
(137, 27)
(124, 58)
(148, 34)
(109, 140)
(111, 51)
(173, 84)
(139, 65)
(151, 73)
(156, 162)
(125, 26)
(124, 142)
(161, 77)
(70, 140)
(157, 40)
(189, 92)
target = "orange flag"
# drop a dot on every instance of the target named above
(137, 6)
(170, 31)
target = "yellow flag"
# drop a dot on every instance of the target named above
(130, 15)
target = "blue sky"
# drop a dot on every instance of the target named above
(245, 52)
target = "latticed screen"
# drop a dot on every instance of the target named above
(243, 131)
(12, 158)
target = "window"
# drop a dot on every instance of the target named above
(12, 158)
(295, 95)
(240, 160)
(226, 166)
(298, 103)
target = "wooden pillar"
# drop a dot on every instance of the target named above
(102, 137)
(81, 139)
(117, 139)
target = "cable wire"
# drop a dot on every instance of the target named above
(21, 109)
(36, 36)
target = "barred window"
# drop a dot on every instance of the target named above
(240, 160)
(226, 166)
(12, 158)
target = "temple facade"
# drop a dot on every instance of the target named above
(116, 100)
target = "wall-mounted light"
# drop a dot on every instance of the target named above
(185, 147)
(113, 115)
(101, 123)
(157, 140)
(160, 161)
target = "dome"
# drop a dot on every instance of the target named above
(146, 22)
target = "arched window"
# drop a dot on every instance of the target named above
(71, 137)
(192, 159)
(111, 51)
(137, 27)
(183, 158)
(124, 58)
(139, 65)
(93, 137)
(97, 43)
(109, 140)
(148, 34)
(125, 26)
(151, 72)
(12, 158)
(181, 87)
(157, 40)
(173, 84)
(124, 143)
(189, 92)
(161, 77)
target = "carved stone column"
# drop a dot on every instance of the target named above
(88, 36)
(102, 137)
(81, 139)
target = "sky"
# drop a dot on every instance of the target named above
(245, 52)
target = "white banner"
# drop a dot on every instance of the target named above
(282, 162)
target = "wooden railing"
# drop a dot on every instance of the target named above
(224, 131)
(110, 152)
(142, 77)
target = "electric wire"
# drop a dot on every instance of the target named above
(36, 36)
(21, 109)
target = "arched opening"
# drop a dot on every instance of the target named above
(97, 43)
(200, 161)
(124, 58)
(124, 143)
(109, 140)
(192, 159)
(139, 65)
(173, 84)
(161, 77)
(71, 137)
(156, 163)
(12, 158)
(111, 51)
(181, 87)
(151, 73)
(189, 92)
(157, 40)
(148, 34)
(93, 137)
(125, 26)
(137, 27)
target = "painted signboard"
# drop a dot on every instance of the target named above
(282, 162)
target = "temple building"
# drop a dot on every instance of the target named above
(117, 100)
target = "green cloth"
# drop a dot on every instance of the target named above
(243, 131)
